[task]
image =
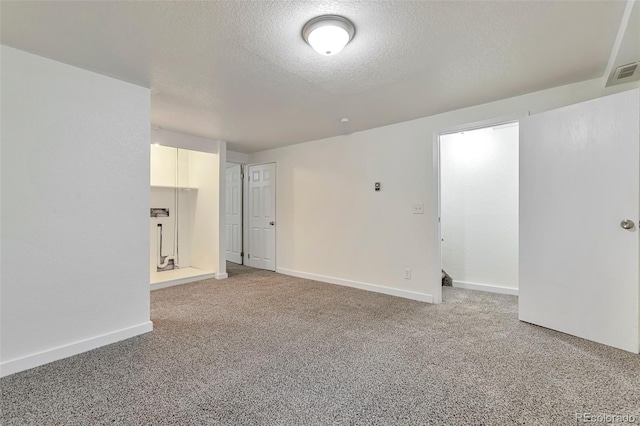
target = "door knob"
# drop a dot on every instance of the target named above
(273, 223)
(626, 224)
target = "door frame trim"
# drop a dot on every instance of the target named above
(437, 248)
(245, 211)
(242, 220)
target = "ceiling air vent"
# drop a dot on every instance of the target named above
(625, 74)
(626, 71)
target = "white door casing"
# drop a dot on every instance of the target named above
(579, 178)
(233, 214)
(261, 217)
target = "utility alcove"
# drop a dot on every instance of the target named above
(184, 187)
(479, 180)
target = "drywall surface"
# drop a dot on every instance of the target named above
(168, 138)
(237, 157)
(332, 225)
(75, 208)
(203, 174)
(169, 167)
(479, 206)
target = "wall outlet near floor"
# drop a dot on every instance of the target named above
(407, 274)
(418, 209)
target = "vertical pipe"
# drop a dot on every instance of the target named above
(176, 260)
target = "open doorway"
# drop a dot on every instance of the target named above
(479, 181)
(250, 221)
(184, 242)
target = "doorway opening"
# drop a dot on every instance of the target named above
(478, 207)
(183, 244)
(250, 228)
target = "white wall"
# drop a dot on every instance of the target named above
(332, 226)
(479, 206)
(163, 171)
(182, 140)
(204, 175)
(237, 157)
(75, 208)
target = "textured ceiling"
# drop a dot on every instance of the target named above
(240, 71)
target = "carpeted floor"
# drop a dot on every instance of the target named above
(262, 348)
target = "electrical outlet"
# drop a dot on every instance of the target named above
(407, 274)
(418, 209)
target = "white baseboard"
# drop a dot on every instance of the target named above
(422, 297)
(486, 287)
(180, 281)
(222, 276)
(35, 360)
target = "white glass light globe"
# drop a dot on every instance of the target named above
(328, 34)
(328, 40)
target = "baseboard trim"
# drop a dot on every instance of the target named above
(486, 287)
(222, 276)
(422, 297)
(35, 360)
(180, 281)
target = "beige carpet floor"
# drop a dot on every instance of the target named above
(267, 349)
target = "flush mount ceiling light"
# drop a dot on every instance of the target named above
(328, 34)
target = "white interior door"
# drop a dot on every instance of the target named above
(262, 217)
(579, 178)
(233, 216)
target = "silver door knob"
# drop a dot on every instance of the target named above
(273, 223)
(627, 224)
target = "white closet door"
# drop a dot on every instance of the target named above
(262, 216)
(579, 185)
(233, 216)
